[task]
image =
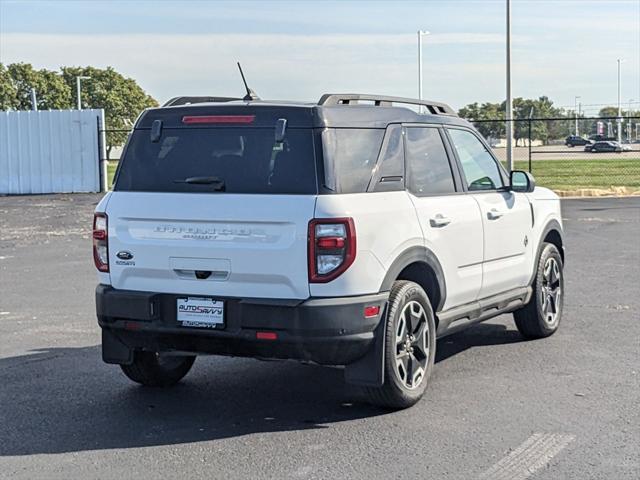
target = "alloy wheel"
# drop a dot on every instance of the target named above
(551, 290)
(412, 345)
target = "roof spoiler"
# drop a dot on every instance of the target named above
(189, 100)
(436, 108)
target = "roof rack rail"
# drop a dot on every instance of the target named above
(189, 100)
(435, 108)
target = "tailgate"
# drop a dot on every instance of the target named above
(235, 245)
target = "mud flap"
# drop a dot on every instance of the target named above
(114, 350)
(368, 371)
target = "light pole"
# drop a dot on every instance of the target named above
(34, 100)
(421, 33)
(575, 109)
(509, 112)
(619, 119)
(79, 78)
(629, 121)
(579, 110)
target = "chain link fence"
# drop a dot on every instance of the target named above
(568, 156)
(589, 155)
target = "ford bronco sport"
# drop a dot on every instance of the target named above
(353, 232)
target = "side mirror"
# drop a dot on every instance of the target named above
(522, 181)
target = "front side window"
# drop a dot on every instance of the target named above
(428, 168)
(480, 169)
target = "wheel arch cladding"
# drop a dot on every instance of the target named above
(419, 265)
(551, 233)
(554, 236)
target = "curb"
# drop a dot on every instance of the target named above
(598, 192)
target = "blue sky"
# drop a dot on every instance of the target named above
(301, 49)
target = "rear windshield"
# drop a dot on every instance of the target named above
(222, 159)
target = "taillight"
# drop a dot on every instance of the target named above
(100, 242)
(332, 248)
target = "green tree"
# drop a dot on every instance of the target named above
(8, 92)
(487, 118)
(543, 130)
(550, 129)
(51, 91)
(522, 109)
(608, 112)
(121, 98)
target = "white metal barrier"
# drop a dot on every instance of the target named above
(50, 151)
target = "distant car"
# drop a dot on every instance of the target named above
(575, 140)
(607, 147)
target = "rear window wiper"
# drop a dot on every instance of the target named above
(217, 181)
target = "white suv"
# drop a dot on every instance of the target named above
(349, 232)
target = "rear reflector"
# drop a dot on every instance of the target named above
(266, 335)
(199, 119)
(371, 311)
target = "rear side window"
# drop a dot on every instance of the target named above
(350, 154)
(245, 160)
(428, 167)
(389, 173)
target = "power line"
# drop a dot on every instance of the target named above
(610, 104)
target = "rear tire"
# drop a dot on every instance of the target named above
(541, 316)
(154, 370)
(410, 347)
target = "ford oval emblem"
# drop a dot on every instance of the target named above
(124, 255)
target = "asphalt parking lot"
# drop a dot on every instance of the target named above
(572, 400)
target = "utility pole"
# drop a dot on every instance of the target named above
(509, 112)
(575, 110)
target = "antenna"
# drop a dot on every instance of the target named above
(251, 95)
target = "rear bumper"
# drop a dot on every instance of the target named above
(329, 331)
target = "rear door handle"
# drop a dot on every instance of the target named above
(439, 221)
(494, 214)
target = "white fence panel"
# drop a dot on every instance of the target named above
(50, 151)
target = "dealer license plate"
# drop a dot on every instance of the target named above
(200, 312)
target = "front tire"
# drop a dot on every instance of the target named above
(154, 370)
(410, 347)
(541, 316)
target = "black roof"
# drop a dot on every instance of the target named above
(333, 110)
